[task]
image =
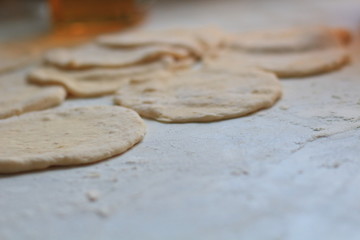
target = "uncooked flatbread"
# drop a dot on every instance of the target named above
(17, 96)
(175, 37)
(290, 40)
(91, 55)
(67, 137)
(201, 95)
(299, 64)
(98, 82)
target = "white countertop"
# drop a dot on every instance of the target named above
(291, 172)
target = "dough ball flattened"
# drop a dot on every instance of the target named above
(175, 37)
(17, 96)
(199, 41)
(98, 81)
(91, 55)
(291, 40)
(300, 64)
(202, 95)
(67, 137)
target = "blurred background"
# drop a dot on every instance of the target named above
(20, 18)
(54, 22)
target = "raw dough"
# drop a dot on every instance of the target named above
(17, 96)
(91, 55)
(299, 64)
(175, 37)
(67, 137)
(290, 40)
(201, 95)
(98, 82)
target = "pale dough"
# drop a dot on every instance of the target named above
(91, 55)
(175, 37)
(17, 96)
(97, 82)
(67, 137)
(201, 95)
(199, 41)
(290, 40)
(299, 64)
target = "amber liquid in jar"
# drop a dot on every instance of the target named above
(89, 17)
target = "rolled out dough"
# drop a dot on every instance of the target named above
(290, 40)
(285, 65)
(67, 137)
(99, 81)
(199, 41)
(17, 96)
(201, 95)
(92, 55)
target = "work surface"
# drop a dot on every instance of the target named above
(291, 172)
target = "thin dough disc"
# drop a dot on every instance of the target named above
(176, 37)
(201, 95)
(98, 82)
(286, 65)
(91, 55)
(67, 137)
(290, 40)
(17, 96)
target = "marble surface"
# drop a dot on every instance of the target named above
(291, 172)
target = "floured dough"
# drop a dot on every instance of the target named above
(286, 65)
(201, 95)
(175, 37)
(290, 40)
(17, 96)
(200, 41)
(67, 137)
(91, 55)
(98, 82)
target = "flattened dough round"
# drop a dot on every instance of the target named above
(175, 37)
(299, 64)
(200, 41)
(91, 55)
(99, 81)
(290, 40)
(67, 137)
(17, 96)
(202, 95)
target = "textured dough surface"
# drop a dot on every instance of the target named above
(91, 55)
(17, 96)
(299, 64)
(202, 95)
(97, 82)
(290, 40)
(67, 137)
